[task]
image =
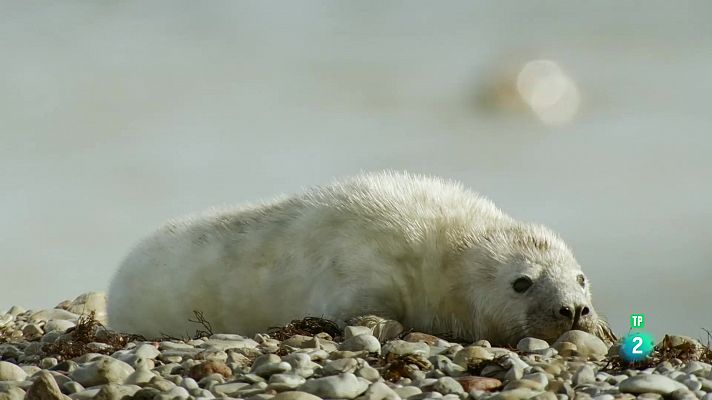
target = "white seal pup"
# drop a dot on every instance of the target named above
(423, 251)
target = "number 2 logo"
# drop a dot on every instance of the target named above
(639, 342)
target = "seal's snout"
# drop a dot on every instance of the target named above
(574, 314)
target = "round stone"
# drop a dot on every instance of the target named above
(545, 396)
(584, 375)
(706, 384)
(346, 386)
(299, 341)
(565, 349)
(683, 394)
(652, 383)
(379, 391)
(142, 374)
(265, 369)
(102, 371)
(58, 325)
(525, 384)
(448, 385)
(282, 382)
(176, 393)
(209, 367)
(587, 344)
(403, 348)
(11, 372)
(514, 373)
(116, 392)
(604, 397)
(408, 391)
(692, 384)
(515, 394)
(146, 351)
(472, 355)
(351, 331)
(363, 342)
(369, 373)
(54, 313)
(301, 363)
(229, 389)
(44, 387)
(340, 366)
(12, 393)
(295, 395)
(90, 302)
(226, 344)
(48, 362)
(530, 344)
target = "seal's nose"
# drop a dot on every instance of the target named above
(574, 314)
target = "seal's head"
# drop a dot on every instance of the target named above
(530, 284)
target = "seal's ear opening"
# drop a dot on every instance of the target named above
(604, 332)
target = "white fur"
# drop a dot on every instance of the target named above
(424, 251)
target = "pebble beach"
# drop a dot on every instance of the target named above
(66, 352)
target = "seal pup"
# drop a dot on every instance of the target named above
(421, 250)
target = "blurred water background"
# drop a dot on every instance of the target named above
(116, 116)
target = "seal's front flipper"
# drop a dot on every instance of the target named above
(383, 329)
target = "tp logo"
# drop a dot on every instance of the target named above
(637, 321)
(637, 346)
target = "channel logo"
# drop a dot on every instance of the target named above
(638, 344)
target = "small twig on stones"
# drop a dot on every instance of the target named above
(200, 319)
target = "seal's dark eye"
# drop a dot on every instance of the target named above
(581, 280)
(522, 284)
